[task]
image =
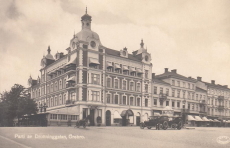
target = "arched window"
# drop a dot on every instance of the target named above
(64, 83)
(60, 84)
(60, 99)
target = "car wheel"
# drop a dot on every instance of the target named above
(179, 125)
(165, 125)
(142, 125)
(149, 127)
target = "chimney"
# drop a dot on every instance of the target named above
(189, 77)
(174, 70)
(199, 78)
(153, 75)
(166, 70)
(213, 81)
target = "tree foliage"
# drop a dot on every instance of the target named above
(15, 104)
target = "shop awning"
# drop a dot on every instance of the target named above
(228, 121)
(72, 61)
(71, 79)
(109, 64)
(215, 120)
(116, 115)
(139, 70)
(198, 118)
(205, 119)
(117, 66)
(126, 112)
(125, 67)
(93, 61)
(210, 120)
(190, 118)
(132, 69)
(66, 111)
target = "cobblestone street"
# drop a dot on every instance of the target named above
(103, 137)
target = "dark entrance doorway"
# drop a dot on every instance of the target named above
(108, 118)
(92, 117)
(138, 120)
(124, 121)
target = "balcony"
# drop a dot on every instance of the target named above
(70, 85)
(162, 97)
(202, 102)
(69, 103)
(70, 68)
(185, 110)
(220, 98)
(220, 107)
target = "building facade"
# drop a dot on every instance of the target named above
(93, 81)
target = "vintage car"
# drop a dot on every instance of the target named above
(175, 122)
(160, 122)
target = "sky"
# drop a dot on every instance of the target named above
(192, 36)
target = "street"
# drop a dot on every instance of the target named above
(110, 137)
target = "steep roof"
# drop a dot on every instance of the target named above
(175, 75)
(117, 53)
(217, 86)
(200, 89)
(160, 81)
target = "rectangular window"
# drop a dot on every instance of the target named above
(116, 99)
(132, 86)
(196, 96)
(189, 97)
(188, 105)
(155, 90)
(167, 91)
(95, 78)
(138, 87)
(167, 103)
(173, 104)
(116, 85)
(146, 74)
(184, 85)
(178, 93)
(124, 100)
(138, 102)
(173, 82)
(184, 94)
(108, 98)
(73, 96)
(146, 102)
(161, 103)
(188, 85)
(178, 104)
(146, 88)
(200, 97)
(108, 82)
(178, 83)
(173, 92)
(131, 100)
(155, 101)
(161, 90)
(193, 96)
(95, 95)
(193, 86)
(124, 85)
(118, 70)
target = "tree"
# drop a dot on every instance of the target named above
(16, 103)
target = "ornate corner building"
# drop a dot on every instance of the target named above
(118, 86)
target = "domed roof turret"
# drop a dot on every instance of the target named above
(49, 55)
(86, 33)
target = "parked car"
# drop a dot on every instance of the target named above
(160, 122)
(175, 122)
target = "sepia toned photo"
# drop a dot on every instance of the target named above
(104, 73)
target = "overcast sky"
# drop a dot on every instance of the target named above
(192, 36)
